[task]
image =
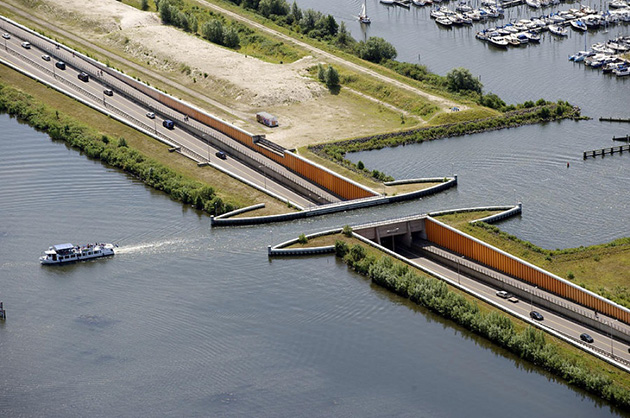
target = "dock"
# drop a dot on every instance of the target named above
(3, 313)
(622, 138)
(594, 153)
(603, 119)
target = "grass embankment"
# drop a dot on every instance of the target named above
(603, 269)
(525, 115)
(88, 135)
(551, 354)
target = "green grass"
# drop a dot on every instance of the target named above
(471, 114)
(603, 269)
(229, 189)
(458, 220)
(567, 352)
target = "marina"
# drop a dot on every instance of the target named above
(611, 57)
(517, 33)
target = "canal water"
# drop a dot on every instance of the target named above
(582, 204)
(192, 321)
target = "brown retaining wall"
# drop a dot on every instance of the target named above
(470, 247)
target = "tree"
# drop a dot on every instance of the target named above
(212, 30)
(332, 77)
(376, 50)
(231, 38)
(144, 5)
(459, 79)
(296, 13)
(165, 12)
(343, 37)
(307, 23)
(273, 7)
(492, 101)
(321, 73)
(330, 26)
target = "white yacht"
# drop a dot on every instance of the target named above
(557, 30)
(68, 253)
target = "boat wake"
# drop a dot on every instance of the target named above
(155, 247)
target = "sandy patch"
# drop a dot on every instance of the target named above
(306, 110)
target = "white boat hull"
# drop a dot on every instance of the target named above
(88, 252)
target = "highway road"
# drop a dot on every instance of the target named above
(568, 327)
(127, 103)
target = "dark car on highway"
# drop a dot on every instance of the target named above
(587, 338)
(536, 315)
(61, 65)
(221, 155)
(168, 124)
(84, 77)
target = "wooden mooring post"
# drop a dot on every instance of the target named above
(622, 138)
(3, 313)
(594, 153)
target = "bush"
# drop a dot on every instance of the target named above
(332, 78)
(530, 344)
(460, 79)
(376, 50)
(302, 239)
(97, 145)
(341, 248)
(347, 230)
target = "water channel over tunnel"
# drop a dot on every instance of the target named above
(191, 321)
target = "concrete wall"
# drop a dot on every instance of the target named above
(456, 241)
(331, 208)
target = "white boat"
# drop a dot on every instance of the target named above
(387, 2)
(532, 36)
(363, 17)
(462, 6)
(68, 253)
(498, 41)
(535, 4)
(578, 24)
(558, 31)
(622, 72)
(444, 21)
(618, 4)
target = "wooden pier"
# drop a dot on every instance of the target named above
(620, 149)
(622, 138)
(602, 119)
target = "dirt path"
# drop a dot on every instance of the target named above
(442, 102)
(236, 86)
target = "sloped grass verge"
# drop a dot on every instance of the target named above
(528, 343)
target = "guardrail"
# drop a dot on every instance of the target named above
(82, 63)
(517, 284)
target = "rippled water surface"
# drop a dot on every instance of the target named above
(191, 321)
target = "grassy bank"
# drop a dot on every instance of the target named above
(99, 136)
(515, 336)
(603, 269)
